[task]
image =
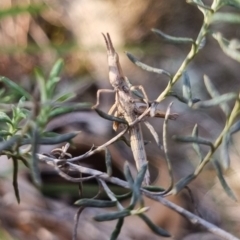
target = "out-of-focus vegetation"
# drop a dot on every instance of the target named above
(33, 33)
(5, 236)
(37, 33)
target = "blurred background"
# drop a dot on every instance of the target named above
(35, 33)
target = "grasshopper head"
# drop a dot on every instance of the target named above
(112, 55)
(115, 72)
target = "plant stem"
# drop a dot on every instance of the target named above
(193, 52)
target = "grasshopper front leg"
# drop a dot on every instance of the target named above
(98, 96)
(140, 87)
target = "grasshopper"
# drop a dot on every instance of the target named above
(125, 106)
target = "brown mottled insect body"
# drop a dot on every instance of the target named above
(126, 107)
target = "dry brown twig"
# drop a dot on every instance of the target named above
(194, 219)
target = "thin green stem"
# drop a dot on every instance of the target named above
(231, 119)
(193, 52)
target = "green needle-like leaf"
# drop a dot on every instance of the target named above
(214, 93)
(54, 78)
(110, 117)
(136, 187)
(195, 145)
(4, 118)
(34, 161)
(225, 144)
(117, 229)
(186, 89)
(13, 86)
(63, 97)
(230, 48)
(95, 203)
(182, 99)
(191, 139)
(225, 151)
(234, 128)
(128, 175)
(154, 133)
(157, 230)
(153, 188)
(215, 101)
(112, 215)
(15, 180)
(220, 17)
(56, 69)
(171, 39)
(182, 183)
(223, 182)
(4, 133)
(124, 196)
(233, 3)
(147, 67)
(41, 84)
(53, 140)
(6, 145)
(60, 110)
(140, 176)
